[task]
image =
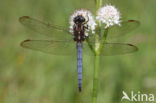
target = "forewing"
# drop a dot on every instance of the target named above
(51, 46)
(53, 31)
(117, 49)
(123, 29)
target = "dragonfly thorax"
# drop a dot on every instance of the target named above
(79, 28)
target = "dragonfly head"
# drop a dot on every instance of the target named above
(82, 19)
(79, 19)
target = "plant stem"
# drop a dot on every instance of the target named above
(103, 39)
(97, 56)
(95, 81)
(98, 48)
(98, 3)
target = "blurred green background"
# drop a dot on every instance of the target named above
(28, 76)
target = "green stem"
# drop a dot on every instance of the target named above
(98, 48)
(95, 81)
(98, 3)
(97, 56)
(103, 39)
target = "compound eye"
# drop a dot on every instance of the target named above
(76, 19)
(82, 19)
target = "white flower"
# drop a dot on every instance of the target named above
(108, 15)
(87, 15)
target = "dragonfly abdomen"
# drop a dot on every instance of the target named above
(79, 65)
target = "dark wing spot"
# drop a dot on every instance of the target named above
(130, 44)
(134, 21)
(133, 46)
(131, 20)
(23, 18)
(22, 43)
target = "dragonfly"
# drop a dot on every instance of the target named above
(64, 43)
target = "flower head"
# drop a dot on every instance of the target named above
(88, 17)
(108, 15)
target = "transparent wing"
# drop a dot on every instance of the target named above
(117, 49)
(51, 46)
(53, 31)
(124, 28)
(69, 47)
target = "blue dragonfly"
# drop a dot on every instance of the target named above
(64, 43)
